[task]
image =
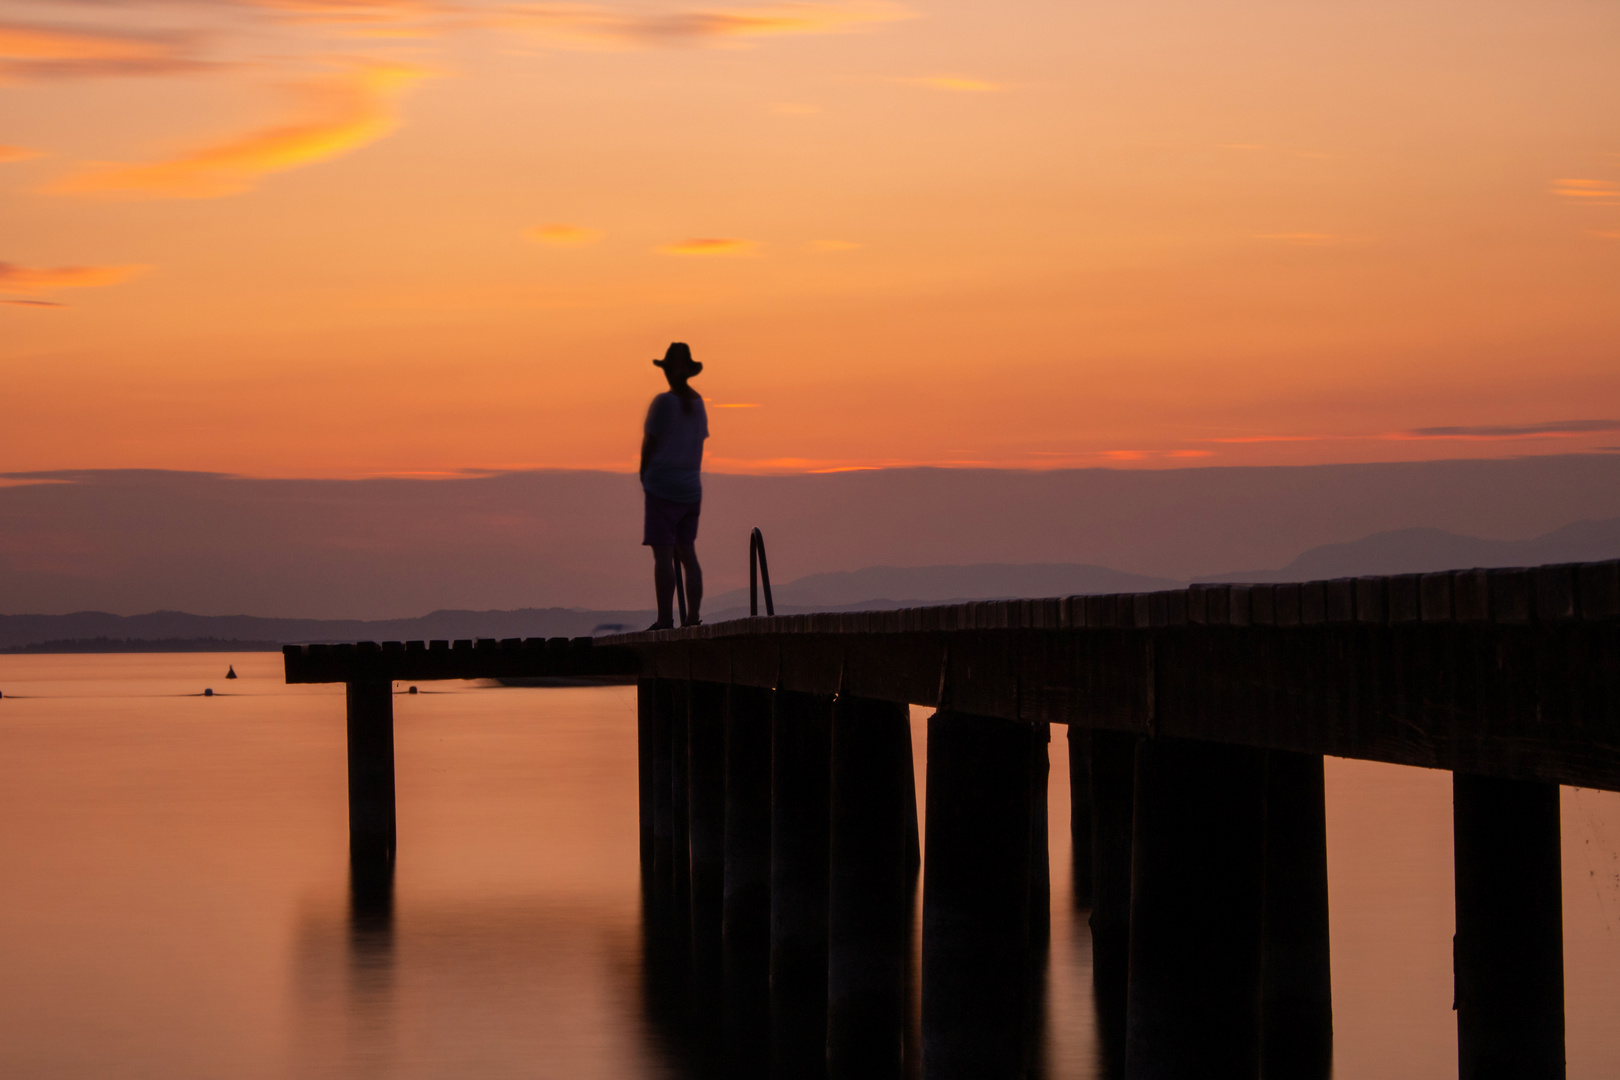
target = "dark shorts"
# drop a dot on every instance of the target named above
(670, 523)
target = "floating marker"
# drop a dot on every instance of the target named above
(231, 674)
(412, 690)
(208, 692)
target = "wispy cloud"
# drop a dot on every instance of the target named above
(587, 26)
(1309, 239)
(340, 112)
(710, 245)
(1589, 192)
(33, 303)
(735, 404)
(37, 279)
(1239, 439)
(954, 84)
(18, 153)
(1551, 428)
(407, 20)
(1607, 234)
(355, 11)
(29, 51)
(563, 235)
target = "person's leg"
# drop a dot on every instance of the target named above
(687, 553)
(664, 582)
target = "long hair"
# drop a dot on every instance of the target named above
(687, 396)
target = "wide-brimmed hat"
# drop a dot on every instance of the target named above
(678, 359)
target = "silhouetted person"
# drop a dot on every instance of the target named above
(671, 461)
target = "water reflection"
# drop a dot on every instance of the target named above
(178, 902)
(688, 1029)
(371, 937)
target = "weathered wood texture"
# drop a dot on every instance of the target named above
(1296, 980)
(1197, 879)
(1511, 673)
(1112, 757)
(869, 889)
(706, 831)
(1509, 949)
(746, 912)
(371, 772)
(801, 806)
(976, 885)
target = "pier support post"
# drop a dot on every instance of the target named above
(746, 915)
(1509, 949)
(1040, 863)
(1196, 895)
(646, 786)
(680, 837)
(1296, 982)
(869, 889)
(706, 801)
(976, 884)
(1113, 795)
(801, 764)
(371, 771)
(1080, 814)
(663, 768)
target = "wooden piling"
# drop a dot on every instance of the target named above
(662, 787)
(1296, 983)
(1080, 815)
(1040, 863)
(680, 836)
(1112, 757)
(976, 876)
(372, 835)
(1509, 949)
(706, 814)
(646, 786)
(869, 892)
(1196, 895)
(801, 763)
(746, 914)
(1040, 898)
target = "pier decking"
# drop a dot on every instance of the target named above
(1197, 721)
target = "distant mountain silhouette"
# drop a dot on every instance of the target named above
(139, 540)
(874, 588)
(250, 632)
(1417, 551)
(906, 586)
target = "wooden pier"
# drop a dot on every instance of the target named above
(778, 807)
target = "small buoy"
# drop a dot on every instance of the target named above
(231, 674)
(208, 692)
(412, 690)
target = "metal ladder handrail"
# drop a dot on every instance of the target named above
(758, 569)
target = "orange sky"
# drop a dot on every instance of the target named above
(352, 237)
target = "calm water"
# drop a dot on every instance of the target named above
(175, 890)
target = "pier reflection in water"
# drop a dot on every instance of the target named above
(177, 900)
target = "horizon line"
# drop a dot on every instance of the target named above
(32, 477)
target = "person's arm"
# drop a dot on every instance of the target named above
(648, 445)
(649, 438)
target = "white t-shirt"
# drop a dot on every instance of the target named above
(677, 459)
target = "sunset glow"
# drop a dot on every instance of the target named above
(411, 237)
